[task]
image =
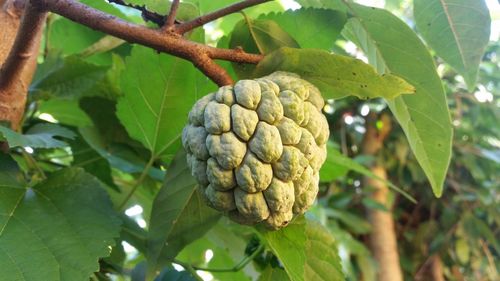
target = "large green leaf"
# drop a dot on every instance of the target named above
(158, 92)
(39, 136)
(423, 116)
(179, 215)
(335, 75)
(458, 30)
(307, 251)
(56, 230)
(311, 28)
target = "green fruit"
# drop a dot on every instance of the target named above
(256, 148)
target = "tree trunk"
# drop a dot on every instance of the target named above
(383, 242)
(13, 97)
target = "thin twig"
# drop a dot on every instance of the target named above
(190, 25)
(191, 270)
(139, 181)
(170, 21)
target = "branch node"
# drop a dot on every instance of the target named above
(170, 20)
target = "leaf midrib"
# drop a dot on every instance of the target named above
(405, 107)
(454, 32)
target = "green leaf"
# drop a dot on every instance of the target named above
(335, 75)
(462, 250)
(355, 223)
(327, 4)
(333, 168)
(41, 135)
(67, 112)
(56, 230)
(311, 28)
(258, 36)
(423, 116)
(70, 38)
(118, 155)
(87, 158)
(134, 234)
(9, 172)
(179, 215)
(72, 78)
(168, 274)
(336, 160)
(478, 229)
(228, 22)
(106, 43)
(174, 275)
(458, 30)
(186, 10)
(306, 250)
(159, 91)
(195, 253)
(273, 274)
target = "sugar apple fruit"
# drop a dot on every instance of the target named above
(256, 148)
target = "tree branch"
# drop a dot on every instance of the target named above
(190, 25)
(19, 42)
(154, 38)
(25, 46)
(170, 21)
(211, 69)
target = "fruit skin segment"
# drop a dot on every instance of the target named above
(256, 148)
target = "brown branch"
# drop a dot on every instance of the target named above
(164, 42)
(190, 25)
(19, 43)
(170, 21)
(213, 70)
(25, 46)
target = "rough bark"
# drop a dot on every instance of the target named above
(383, 242)
(14, 86)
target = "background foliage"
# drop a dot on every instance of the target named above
(95, 186)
